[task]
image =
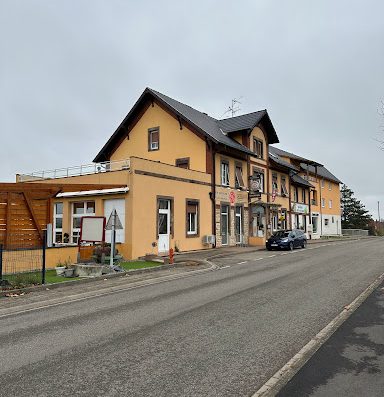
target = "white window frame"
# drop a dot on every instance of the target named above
(322, 183)
(192, 215)
(57, 216)
(154, 145)
(224, 170)
(275, 184)
(323, 203)
(303, 195)
(74, 239)
(284, 190)
(329, 186)
(330, 203)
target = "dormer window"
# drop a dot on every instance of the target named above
(258, 148)
(153, 139)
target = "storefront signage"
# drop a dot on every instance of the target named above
(232, 196)
(300, 208)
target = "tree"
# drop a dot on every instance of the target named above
(353, 215)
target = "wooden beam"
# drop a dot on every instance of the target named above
(32, 212)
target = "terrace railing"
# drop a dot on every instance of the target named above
(85, 169)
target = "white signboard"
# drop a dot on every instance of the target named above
(92, 229)
(300, 208)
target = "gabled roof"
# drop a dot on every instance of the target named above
(248, 122)
(305, 163)
(292, 156)
(321, 171)
(274, 158)
(298, 180)
(202, 122)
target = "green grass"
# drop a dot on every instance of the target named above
(138, 265)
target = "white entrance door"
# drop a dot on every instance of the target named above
(119, 206)
(164, 225)
(239, 225)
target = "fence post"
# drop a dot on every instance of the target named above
(1, 262)
(44, 252)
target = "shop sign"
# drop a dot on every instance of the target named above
(300, 208)
(232, 196)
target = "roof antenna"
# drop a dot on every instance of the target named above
(233, 109)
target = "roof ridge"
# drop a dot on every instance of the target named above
(242, 115)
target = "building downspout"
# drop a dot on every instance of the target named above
(309, 203)
(213, 193)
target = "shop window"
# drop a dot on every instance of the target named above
(80, 209)
(153, 139)
(183, 163)
(239, 182)
(58, 223)
(192, 218)
(258, 148)
(224, 173)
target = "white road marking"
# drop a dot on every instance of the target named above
(271, 256)
(240, 263)
(225, 267)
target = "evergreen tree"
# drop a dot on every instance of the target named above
(353, 215)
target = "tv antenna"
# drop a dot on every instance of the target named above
(234, 108)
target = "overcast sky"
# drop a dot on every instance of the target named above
(70, 70)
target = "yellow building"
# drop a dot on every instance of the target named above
(187, 181)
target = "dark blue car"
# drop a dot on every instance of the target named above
(287, 239)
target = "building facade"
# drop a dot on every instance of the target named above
(189, 182)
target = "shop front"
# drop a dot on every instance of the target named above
(300, 217)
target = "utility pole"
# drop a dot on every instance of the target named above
(378, 210)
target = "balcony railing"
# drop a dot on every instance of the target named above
(85, 169)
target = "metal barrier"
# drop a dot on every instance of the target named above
(354, 232)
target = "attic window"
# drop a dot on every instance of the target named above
(258, 148)
(153, 139)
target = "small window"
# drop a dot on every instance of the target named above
(239, 182)
(323, 203)
(322, 183)
(295, 194)
(326, 221)
(330, 203)
(183, 163)
(192, 218)
(329, 186)
(275, 186)
(258, 148)
(257, 182)
(333, 219)
(303, 195)
(225, 173)
(284, 190)
(153, 139)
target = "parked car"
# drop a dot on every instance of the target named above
(287, 239)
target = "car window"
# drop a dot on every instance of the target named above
(281, 233)
(293, 235)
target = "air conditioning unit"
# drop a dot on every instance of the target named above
(209, 239)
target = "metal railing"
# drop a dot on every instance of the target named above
(354, 232)
(79, 170)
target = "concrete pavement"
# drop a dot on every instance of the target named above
(221, 333)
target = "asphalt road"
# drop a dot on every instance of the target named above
(221, 333)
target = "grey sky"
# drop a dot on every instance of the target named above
(71, 70)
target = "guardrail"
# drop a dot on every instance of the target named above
(85, 169)
(354, 232)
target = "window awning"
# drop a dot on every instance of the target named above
(119, 190)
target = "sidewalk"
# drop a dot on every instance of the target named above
(351, 362)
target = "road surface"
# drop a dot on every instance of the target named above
(220, 333)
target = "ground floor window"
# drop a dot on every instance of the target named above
(224, 220)
(239, 224)
(58, 223)
(315, 225)
(192, 218)
(275, 221)
(283, 219)
(80, 209)
(257, 221)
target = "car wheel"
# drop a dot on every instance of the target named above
(269, 248)
(291, 246)
(304, 244)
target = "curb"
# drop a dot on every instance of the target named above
(289, 370)
(69, 283)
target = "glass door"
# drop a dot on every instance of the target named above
(224, 224)
(239, 225)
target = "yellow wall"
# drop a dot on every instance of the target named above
(143, 198)
(174, 143)
(282, 200)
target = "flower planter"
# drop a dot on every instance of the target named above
(60, 270)
(69, 272)
(88, 270)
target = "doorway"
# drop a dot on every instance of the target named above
(164, 225)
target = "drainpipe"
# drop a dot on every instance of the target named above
(309, 203)
(213, 191)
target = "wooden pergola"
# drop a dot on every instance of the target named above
(26, 209)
